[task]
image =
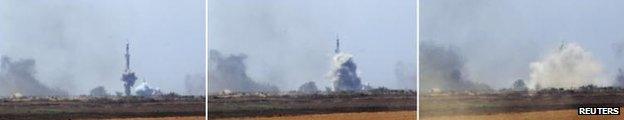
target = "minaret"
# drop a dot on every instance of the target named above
(128, 76)
(127, 56)
(337, 45)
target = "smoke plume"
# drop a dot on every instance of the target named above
(343, 73)
(19, 77)
(519, 85)
(443, 68)
(230, 73)
(145, 90)
(308, 87)
(99, 92)
(128, 78)
(566, 67)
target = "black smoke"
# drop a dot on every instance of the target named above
(443, 68)
(19, 77)
(229, 72)
(98, 92)
(519, 85)
(129, 79)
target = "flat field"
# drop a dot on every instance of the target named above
(164, 118)
(568, 114)
(279, 106)
(392, 115)
(44, 109)
(558, 105)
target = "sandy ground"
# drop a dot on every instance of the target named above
(166, 118)
(570, 114)
(395, 115)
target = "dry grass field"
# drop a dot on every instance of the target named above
(392, 115)
(569, 114)
(166, 118)
(543, 105)
(277, 106)
(126, 107)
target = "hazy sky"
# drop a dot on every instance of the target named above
(79, 44)
(499, 39)
(289, 42)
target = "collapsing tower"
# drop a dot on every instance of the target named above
(128, 76)
(343, 73)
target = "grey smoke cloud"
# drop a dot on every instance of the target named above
(567, 66)
(229, 72)
(19, 76)
(143, 89)
(443, 68)
(344, 74)
(308, 87)
(99, 91)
